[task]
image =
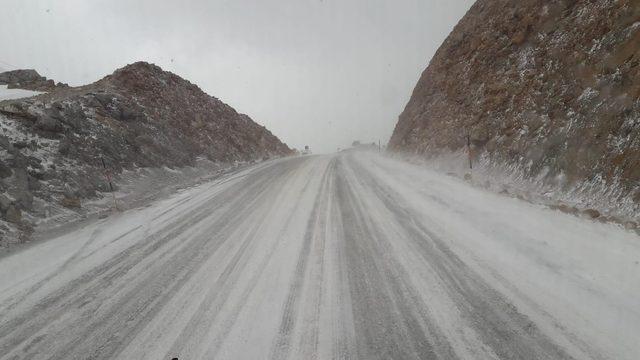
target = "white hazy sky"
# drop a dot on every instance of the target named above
(315, 72)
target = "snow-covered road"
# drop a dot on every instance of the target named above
(350, 256)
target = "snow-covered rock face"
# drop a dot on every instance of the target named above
(545, 89)
(28, 80)
(20, 76)
(52, 146)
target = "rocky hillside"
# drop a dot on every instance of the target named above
(28, 80)
(549, 90)
(52, 146)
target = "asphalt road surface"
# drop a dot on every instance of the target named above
(349, 256)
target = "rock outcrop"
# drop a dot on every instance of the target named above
(550, 89)
(53, 146)
(28, 80)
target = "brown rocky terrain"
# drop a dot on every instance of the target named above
(28, 80)
(52, 146)
(547, 89)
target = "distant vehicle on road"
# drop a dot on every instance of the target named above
(306, 150)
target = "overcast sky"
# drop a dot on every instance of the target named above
(316, 72)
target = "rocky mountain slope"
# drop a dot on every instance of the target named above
(28, 80)
(547, 90)
(52, 146)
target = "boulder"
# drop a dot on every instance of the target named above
(630, 225)
(64, 147)
(19, 76)
(72, 116)
(5, 143)
(21, 179)
(24, 199)
(104, 99)
(130, 114)
(479, 136)
(33, 181)
(71, 202)
(14, 109)
(5, 202)
(5, 170)
(48, 123)
(20, 144)
(591, 213)
(13, 214)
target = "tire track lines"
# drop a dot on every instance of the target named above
(91, 286)
(207, 314)
(281, 346)
(387, 325)
(510, 334)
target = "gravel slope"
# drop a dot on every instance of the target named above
(339, 256)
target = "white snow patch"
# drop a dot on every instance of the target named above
(10, 94)
(588, 94)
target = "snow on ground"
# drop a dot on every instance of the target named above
(14, 132)
(498, 177)
(134, 188)
(10, 94)
(565, 272)
(341, 256)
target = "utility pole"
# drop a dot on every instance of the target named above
(469, 151)
(379, 147)
(107, 176)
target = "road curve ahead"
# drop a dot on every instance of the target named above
(349, 256)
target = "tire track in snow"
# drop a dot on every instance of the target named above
(209, 310)
(387, 324)
(311, 257)
(508, 333)
(282, 345)
(153, 281)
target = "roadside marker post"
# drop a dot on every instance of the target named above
(469, 151)
(107, 175)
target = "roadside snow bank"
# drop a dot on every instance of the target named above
(595, 199)
(133, 189)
